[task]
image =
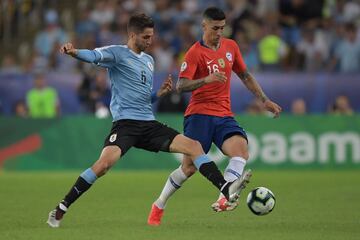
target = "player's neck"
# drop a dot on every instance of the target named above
(133, 47)
(211, 45)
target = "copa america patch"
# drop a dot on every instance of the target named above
(183, 66)
(229, 56)
(150, 66)
(113, 137)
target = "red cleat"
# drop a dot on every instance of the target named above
(155, 215)
(223, 205)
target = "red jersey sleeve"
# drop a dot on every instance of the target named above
(189, 66)
(239, 64)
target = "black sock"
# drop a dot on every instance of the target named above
(213, 174)
(76, 191)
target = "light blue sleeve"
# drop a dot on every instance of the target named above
(108, 56)
(104, 57)
(90, 56)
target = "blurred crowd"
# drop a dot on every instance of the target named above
(42, 101)
(340, 106)
(286, 35)
(273, 35)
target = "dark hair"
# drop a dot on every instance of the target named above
(138, 22)
(214, 13)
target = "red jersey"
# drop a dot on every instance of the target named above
(200, 61)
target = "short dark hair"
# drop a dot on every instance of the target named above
(138, 22)
(214, 13)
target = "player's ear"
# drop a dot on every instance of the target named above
(132, 34)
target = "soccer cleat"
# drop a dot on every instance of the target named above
(155, 216)
(56, 215)
(238, 185)
(222, 204)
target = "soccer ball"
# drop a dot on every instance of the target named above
(261, 201)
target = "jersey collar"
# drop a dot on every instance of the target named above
(134, 53)
(201, 41)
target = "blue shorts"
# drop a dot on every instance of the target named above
(207, 129)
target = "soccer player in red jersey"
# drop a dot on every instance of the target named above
(206, 72)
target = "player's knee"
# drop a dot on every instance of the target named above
(246, 156)
(239, 153)
(107, 159)
(195, 148)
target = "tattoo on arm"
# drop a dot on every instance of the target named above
(251, 84)
(186, 85)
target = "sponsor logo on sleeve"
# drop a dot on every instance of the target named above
(150, 66)
(183, 66)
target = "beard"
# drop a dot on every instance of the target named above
(141, 47)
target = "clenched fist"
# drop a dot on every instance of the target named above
(272, 107)
(69, 49)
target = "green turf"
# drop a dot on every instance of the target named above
(310, 205)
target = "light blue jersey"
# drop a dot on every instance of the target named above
(131, 77)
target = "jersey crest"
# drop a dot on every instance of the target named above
(113, 137)
(221, 62)
(229, 56)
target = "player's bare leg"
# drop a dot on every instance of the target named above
(108, 157)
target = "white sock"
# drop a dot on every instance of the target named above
(174, 182)
(234, 170)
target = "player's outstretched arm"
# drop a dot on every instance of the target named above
(90, 56)
(187, 85)
(251, 84)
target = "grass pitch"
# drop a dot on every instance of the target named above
(310, 205)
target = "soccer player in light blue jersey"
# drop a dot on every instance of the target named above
(131, 74)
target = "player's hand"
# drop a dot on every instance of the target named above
(216, 77)
(69, 49)
(166, 87)
(272, 107)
